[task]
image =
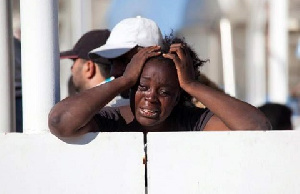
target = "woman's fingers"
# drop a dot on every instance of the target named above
(173, 57)
(179, 49)
(180, 55)
(147, 52)
(150, 49)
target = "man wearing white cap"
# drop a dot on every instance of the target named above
(88, 73)
(125, 40)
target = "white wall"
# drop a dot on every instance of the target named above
(110, 163)
(182, 162)
(224, 162)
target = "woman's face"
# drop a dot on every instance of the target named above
(157, 93)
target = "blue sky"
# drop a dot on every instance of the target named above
(168, 14)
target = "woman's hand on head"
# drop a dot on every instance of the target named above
(135, 66)
(183, 62)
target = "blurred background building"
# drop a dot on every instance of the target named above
(253, 46)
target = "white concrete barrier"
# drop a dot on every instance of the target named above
(224, 162)
(182, 162)
(108, 163)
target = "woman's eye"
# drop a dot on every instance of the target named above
(142, 88)
(164, 93)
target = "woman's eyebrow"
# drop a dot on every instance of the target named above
(146, 77)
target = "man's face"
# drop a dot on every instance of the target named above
(77, 75)
(119, 64)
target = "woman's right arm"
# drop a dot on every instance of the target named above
(73, 115)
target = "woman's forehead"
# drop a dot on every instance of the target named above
(161, 70)
(159, 66)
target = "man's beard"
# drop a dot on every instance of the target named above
(72, 89)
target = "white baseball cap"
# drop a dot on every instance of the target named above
(126, 35)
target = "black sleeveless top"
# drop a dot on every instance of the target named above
(109, 119)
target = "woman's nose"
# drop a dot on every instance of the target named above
(152, 96)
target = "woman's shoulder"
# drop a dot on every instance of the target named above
(109, 112)
(192, 118)
(109, 119)
(117, 113)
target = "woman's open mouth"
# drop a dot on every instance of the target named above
(149, 113)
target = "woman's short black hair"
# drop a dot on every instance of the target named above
(172, 39)
(185, 98)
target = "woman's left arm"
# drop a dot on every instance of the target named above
(229, 113)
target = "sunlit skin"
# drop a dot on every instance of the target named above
(156, 95)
